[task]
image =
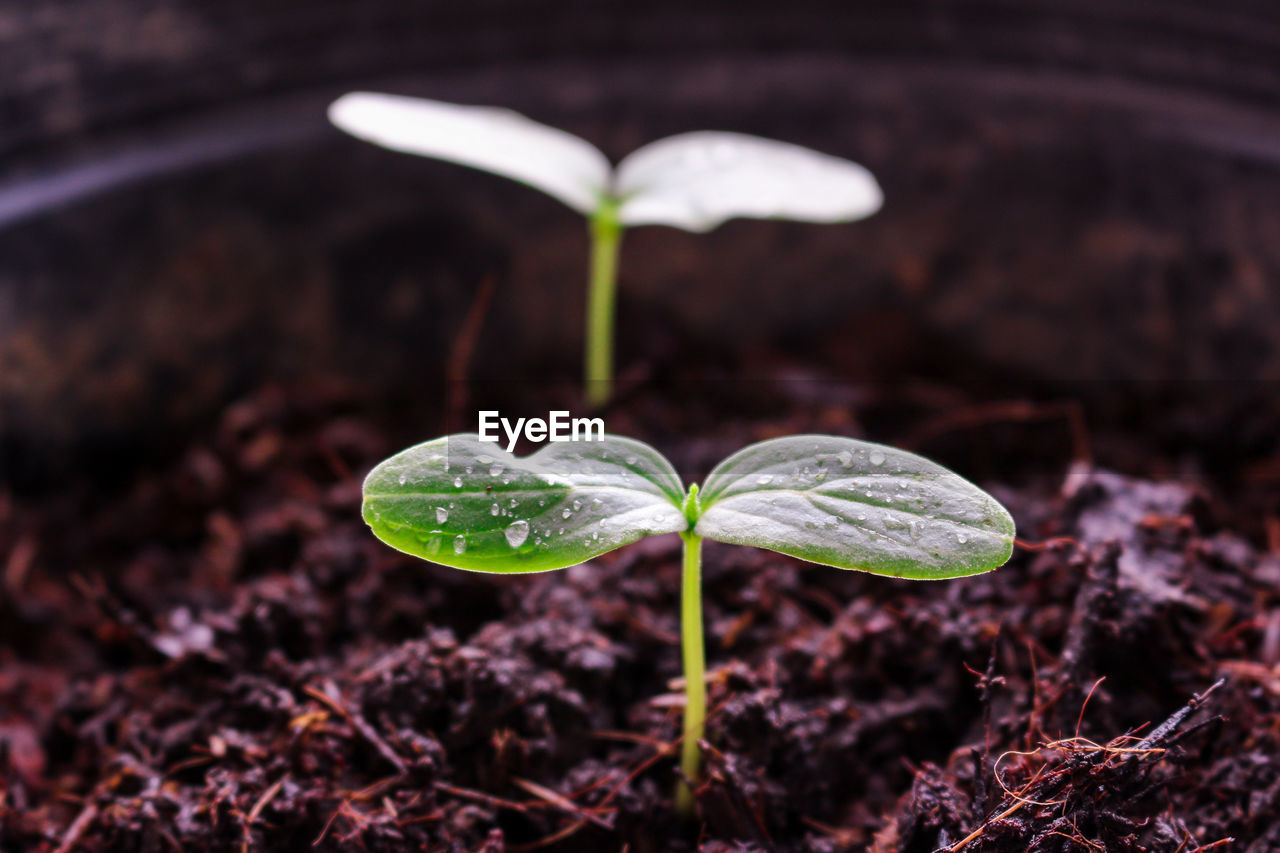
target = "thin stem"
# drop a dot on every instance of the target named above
(695, 683)
(606, 240)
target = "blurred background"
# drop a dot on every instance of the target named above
(1081, 201)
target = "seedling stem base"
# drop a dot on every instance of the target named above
(695, 684)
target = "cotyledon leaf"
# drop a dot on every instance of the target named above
(855, 505)
(462, 502)
(696, 181)
(693, 181)
(488, 138)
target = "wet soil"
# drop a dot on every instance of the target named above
(213, 653)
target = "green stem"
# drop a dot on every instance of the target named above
(606, 239)
(695, 682)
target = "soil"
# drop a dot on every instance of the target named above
(213, 653)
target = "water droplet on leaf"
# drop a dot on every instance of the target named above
(517, 532)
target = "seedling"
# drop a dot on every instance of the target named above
(693, 181)
(466, 503)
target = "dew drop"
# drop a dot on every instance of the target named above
(765, 479)
(403, 479)
(459, 544)
(566, 513)
(457, 482)
(876, 457)
(493, 510)
(442, 515)
(845, 457)
(484, 460)
(961, 538)
(631, 460)
(495, 470)
(517, 532)
(577, 505)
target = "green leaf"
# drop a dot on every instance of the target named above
(855, 505)
(461, 502)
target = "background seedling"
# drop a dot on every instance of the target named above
(693, 181)
(461, 502)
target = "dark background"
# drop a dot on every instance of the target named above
(1081, 201)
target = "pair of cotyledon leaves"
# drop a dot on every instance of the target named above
(466, 503)
(693, 181)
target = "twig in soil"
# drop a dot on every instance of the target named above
(1085, 704)
(77, 828)
(500, 803)
(481, 797)
(360, 725)
(631, 737)
(329, 823)
(256, 812)
(560, 801)
(464, 346)
(1042, 788)
(1046, 544)
(1166, 728)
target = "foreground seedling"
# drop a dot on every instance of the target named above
(462, 502)
(693, 181)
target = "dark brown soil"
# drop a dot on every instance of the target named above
(215, 654)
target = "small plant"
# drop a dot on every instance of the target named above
(693, 181)
(462, 502)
